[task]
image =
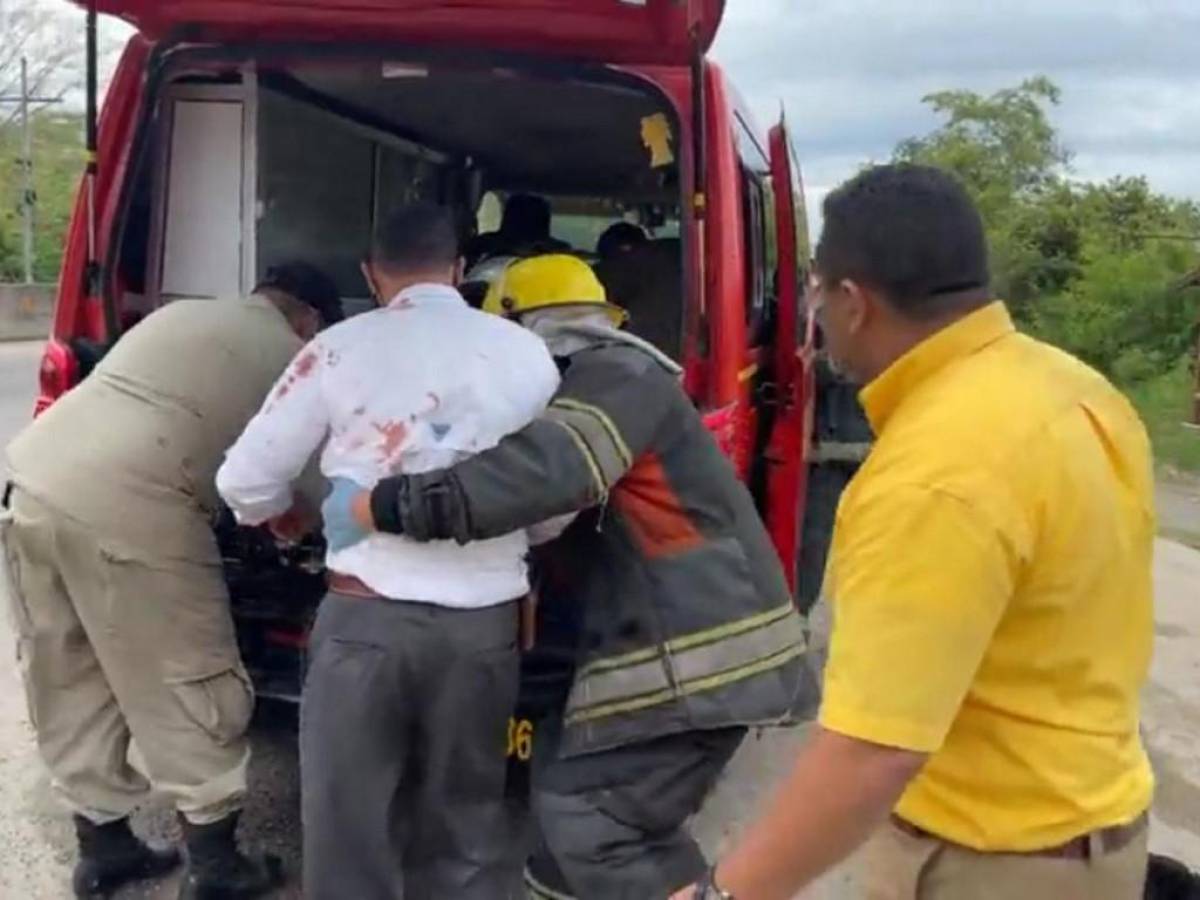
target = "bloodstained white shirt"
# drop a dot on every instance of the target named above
(420, 384)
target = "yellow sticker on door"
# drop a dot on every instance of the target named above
(657, 136)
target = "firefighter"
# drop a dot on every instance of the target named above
(688, 635)
(124, 630)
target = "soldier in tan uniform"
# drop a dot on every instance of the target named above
(125, 636)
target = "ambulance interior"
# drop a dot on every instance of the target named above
(249, 164)
(260, 164)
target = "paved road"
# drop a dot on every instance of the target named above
(1179, 507)
(36, 847)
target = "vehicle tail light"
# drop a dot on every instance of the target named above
(58, 373)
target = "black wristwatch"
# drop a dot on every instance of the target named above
(707, 889)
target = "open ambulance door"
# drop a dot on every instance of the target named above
(787, 450)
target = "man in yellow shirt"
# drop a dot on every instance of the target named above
(990, 579)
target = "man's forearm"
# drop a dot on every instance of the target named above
(839, 791)
(257, 476)
(248, 494)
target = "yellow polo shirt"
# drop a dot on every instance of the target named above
(991, 585)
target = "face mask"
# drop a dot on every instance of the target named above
(372, 288)
(844, 371)
(834, 365)
(840, 368)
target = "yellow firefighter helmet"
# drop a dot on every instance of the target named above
(544, 282)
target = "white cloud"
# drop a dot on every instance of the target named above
(852, 74)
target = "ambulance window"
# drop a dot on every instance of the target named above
(582, 229)
(316, 180)
(761, 251)
(491, 211)
(579, 221)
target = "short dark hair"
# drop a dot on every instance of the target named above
(526, 215)
(415, 238)
(618, 236)
(307, 284)
(911, 232)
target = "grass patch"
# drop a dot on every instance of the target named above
(1164, 403)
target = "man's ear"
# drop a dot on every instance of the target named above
(859, 304)
(460, 271)
(369, 278)
(315, 325)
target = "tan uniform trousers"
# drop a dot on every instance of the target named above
(901, 866)
(115, 650)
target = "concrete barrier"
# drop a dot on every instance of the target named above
(26, 311)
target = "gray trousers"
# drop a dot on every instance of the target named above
(611, 825)
(404, 725)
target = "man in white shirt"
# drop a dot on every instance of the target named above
(413, 666)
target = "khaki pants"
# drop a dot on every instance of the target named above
(114, 649)
(901, 866)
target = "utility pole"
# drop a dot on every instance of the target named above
(1193, 281)
(29, 195)
(1195, 423)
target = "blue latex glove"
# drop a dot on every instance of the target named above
(341, 529)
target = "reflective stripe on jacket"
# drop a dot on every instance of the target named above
(687, 618)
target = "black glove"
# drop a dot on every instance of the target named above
(385, 504)
(427, 507)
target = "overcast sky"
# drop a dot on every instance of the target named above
(852, 74)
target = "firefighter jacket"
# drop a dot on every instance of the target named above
(687, 620)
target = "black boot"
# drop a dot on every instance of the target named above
(217, 870)
(110, 856)
(1169, 879)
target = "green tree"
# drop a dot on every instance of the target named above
(1001, 145)
(1005, 149)
(1095, 268)
(1124, 313)
(58, 160)
(49, 36)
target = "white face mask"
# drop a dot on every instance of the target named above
(842, 371)
(834, 365)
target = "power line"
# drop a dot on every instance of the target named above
(29, 195)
